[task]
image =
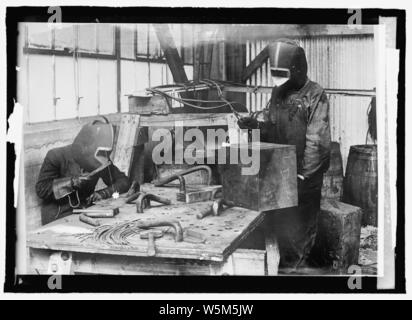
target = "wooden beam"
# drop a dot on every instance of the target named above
(174, 60)
(170, 51)
(255, 64)
(185, 119)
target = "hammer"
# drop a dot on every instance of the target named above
(89, 215)
(216, 208)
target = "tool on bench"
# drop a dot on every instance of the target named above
(216, 208)
(143, 201)
(89, 215)
(98, 212)
(151, 235)
(146, 224)
(119, 233)
(88, 220)
(190, 194)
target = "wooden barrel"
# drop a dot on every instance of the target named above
(360, 186)
(332, 187)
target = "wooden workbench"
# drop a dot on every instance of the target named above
(215, 256)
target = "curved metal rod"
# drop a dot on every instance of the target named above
(143, 201)
(177, 175)
(163, 223)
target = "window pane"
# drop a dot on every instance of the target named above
(154, 45)
(87, 37)
(39, 35)
(127, 45)
(64, 37)
(105, 38)
(142, 40)
(187, 43)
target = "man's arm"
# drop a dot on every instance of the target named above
(115, 180)
(317, 149)
(50, 185)
(50, 170)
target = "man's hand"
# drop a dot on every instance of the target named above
(77, 182)
(99, 195)
(248, 123)
(96, 196)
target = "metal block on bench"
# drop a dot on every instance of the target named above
(272, 186)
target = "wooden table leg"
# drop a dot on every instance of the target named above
(272, 252)
(60, 263)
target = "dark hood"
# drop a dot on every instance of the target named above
(93, 144)
(284, 55)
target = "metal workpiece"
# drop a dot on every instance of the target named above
(179, 175)
(175, 224)
(151, 235)
(143, 201)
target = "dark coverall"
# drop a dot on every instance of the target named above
(300, 118)
(59, 163)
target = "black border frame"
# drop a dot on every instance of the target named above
(193, 284)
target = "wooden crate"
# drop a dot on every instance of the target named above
(148, 105)
(338, 238)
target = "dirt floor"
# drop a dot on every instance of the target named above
(368, 250)
(367, 257)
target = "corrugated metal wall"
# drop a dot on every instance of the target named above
(335, 62)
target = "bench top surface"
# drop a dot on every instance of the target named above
(222, 233)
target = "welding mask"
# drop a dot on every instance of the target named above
(287, 63)
(93, 144)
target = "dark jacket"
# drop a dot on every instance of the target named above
(59, 163)
(301, 118)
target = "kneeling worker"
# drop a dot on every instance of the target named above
(69, 174)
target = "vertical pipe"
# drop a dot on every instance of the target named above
(76, 68)
(26, 44)
(97, 73)
(54, 76)
(117, 42)
(248, 80)
(148, 53)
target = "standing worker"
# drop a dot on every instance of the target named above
(69, 174)
(298, 115)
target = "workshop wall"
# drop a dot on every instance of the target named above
(72, 71)
(335, 62)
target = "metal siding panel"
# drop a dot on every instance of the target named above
(41, 88)
(142, 72)
(88, 87)
(107, 86)
(65, 88)
(128, 85)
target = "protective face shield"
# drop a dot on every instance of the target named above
(279, 76)
(287, 63)
(93, 144)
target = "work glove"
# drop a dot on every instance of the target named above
(78, 181)
(98, 195)
(66, 185)
(248, 123)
